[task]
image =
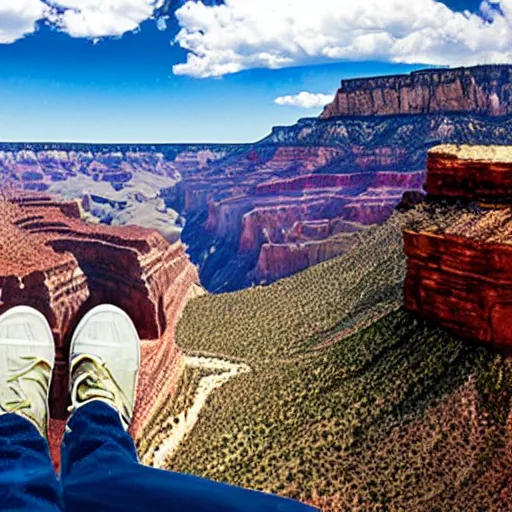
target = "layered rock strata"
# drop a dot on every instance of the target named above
(53, 261)
(482, 90)
(243, 211)
(470, 172)
(461, 277)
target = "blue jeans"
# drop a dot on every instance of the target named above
(100, 472)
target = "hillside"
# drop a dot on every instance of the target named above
(350, 402)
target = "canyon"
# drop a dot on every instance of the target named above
(460, 277)
(62, 266)
(305, 193)
(250, 214)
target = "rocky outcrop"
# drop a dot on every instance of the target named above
(461, 277)
(53, 261)
(281, 260)
(470, 172)
(460, 284)
(481, 90)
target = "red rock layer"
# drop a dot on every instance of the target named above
(63, 267)
(484, 90)
(267, 212)
(470, 172)
(281, 260)
(461, 284)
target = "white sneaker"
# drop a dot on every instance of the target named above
(27, 358)
(104, 361)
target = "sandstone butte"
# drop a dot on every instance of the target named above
(483, 90)
(58, 264)
(461, 277)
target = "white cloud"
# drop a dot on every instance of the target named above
(18, 18)
(78, 18)
(243, 34)
(305, 100)
(101, 18)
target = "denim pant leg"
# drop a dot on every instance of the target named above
(100, 471)
(27, 478)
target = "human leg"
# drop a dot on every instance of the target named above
(27, 478)
(100, 469)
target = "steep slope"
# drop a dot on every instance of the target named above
(53, 261)
(350, 401)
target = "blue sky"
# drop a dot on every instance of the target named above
(55, 87)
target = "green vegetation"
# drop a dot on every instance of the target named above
(352, 403)
(283, 319)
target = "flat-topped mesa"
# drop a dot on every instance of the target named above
(470, 172)
(53, 261)
(482, 90)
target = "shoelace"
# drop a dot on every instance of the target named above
(94, 385)
(37, 367)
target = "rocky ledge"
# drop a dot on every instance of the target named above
(461, 277)
(470, 172)
(58, 264)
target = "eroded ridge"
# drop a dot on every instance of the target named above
(62, 266)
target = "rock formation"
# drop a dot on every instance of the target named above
(53, 261)
(461, 277)
(470, 172)
(245, 211)
(253, 213)
(481, 90)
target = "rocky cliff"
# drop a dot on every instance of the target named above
(55, 262)
(481, 90)
(244, 210)
(461, 277)
(471, 172)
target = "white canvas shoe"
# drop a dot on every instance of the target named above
(27, 358)
(104, 361)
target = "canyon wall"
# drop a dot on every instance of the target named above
(243, 210)
(461, 277)
(470, 173)
(462, 285)
(481, 90)
(56, 263)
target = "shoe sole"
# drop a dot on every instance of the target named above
(113, 355)
(49, 343)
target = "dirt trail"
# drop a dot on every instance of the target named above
(186, 420)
